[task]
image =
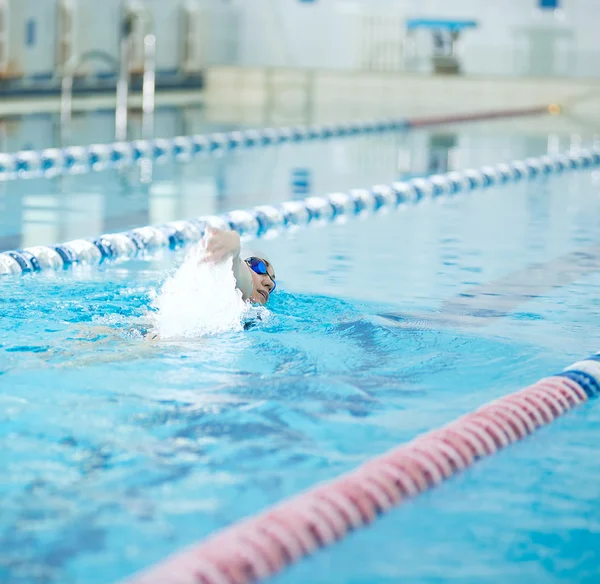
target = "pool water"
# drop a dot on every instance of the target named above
(42, 211)
(118, 451)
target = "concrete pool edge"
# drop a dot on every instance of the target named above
(261, 546)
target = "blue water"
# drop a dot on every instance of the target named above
(117, 452)
(42, 211)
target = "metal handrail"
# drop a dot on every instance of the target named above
(122, 67)
(130, 14)
(68, 74)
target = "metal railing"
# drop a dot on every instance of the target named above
(136, 13)
(68, 75)
(132, 14)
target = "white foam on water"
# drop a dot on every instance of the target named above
(199, 299)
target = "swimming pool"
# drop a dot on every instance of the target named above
(118, 452)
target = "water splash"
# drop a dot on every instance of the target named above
(200, 299)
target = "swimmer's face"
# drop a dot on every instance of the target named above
(263, 279)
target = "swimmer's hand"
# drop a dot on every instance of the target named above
(220, 245)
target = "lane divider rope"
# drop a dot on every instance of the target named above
(98, 157)
(259, 547)
(267, 218)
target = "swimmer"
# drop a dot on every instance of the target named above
(254, 276)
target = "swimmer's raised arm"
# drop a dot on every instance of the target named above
(254, 276)
(222, 245)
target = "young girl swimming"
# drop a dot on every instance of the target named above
(211, 290)
(254, 276)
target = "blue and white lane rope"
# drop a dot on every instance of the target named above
(264, 218)
(97, 157)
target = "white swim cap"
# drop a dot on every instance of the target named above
(254, 253)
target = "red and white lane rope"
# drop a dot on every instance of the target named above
(261, 546)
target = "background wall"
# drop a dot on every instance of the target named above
(513, 37)
(34, 35)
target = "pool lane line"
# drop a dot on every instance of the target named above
(256, 548)
(267, 218)
(98, 157)
(271, 219)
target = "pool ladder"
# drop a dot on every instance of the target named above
(134, 13)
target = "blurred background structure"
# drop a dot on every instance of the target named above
(508, 37)
(303, 52)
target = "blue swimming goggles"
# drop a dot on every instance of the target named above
(260, 267)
